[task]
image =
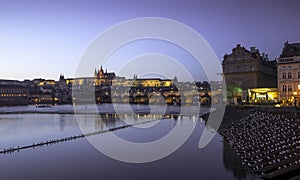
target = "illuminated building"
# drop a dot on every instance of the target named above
(153, 90)
(13, 93)
(103, 87)
(152, 82)
(100, 78)
(246, 69)
(289, 74)
(262, 95)
(103, 78)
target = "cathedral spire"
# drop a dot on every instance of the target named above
(95, 73)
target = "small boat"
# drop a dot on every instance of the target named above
(43, 106)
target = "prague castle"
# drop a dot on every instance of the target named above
(102, 77)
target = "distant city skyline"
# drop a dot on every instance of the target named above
(43, 39)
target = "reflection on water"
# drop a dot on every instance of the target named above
(233, 163)
(79, 160)
(23, 129)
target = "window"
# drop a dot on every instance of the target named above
(289, 75)
(298, 74)
(290, 89)
(298, 86)
(246, 68)
(283, 75)
(284, 88)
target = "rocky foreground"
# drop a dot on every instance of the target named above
(267, 143)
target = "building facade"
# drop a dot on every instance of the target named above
(289, 74)
(13, 93)
(103, 78)
(152, 82)
(247, 69)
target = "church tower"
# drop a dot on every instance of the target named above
(95, 73)
(101, 73)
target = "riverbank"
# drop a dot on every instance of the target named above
(267, 142)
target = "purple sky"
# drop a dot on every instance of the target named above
(45, 38)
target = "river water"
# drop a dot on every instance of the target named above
(79, 159)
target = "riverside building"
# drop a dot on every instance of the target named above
(289, 74)
(247, 70)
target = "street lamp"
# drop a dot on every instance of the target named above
(295, 99)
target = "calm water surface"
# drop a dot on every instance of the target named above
(80, 160)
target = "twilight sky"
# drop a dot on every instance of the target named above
(45, 38)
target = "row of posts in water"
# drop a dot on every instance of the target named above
(65, 139)
(55, 141)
